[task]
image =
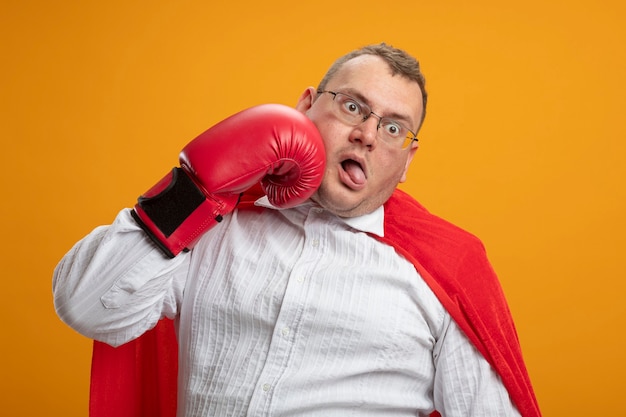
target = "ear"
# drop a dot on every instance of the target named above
(306, 100)
(409, 158)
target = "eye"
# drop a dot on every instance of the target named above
(350, 106)
(393, 128)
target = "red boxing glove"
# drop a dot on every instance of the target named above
(272, 144)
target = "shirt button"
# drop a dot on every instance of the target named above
(315, 243)
(266, 387)
(300, 279)
(285, 331)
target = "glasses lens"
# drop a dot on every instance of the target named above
(348, 108)
(408, 140)
(394, 133)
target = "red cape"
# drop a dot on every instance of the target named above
(139, 378)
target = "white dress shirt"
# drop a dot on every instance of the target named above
(283, 313)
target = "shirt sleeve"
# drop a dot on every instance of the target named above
(465, 384)
(115, 284)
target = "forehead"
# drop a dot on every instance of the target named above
(371, 77)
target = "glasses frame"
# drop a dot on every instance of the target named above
(366, 112)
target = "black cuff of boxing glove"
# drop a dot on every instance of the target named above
(151, 235)
(169, 209)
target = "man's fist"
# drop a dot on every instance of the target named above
(272, 144)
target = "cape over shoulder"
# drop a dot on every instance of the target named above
(454, 264)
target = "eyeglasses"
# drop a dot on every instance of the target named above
(354, 112)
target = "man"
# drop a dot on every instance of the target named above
(355, 301)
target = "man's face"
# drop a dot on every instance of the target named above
(361, 169)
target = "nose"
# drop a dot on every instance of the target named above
(367, 131)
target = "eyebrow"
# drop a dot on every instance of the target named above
(395, 116)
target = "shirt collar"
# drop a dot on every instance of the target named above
(369, 223)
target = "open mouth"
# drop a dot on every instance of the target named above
(355, 177)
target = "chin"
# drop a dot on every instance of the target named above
(343, 207)
(335, 202)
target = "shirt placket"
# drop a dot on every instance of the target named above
(291, 318)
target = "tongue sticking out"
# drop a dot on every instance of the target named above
(355, 171)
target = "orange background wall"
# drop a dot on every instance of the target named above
(524, 145)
